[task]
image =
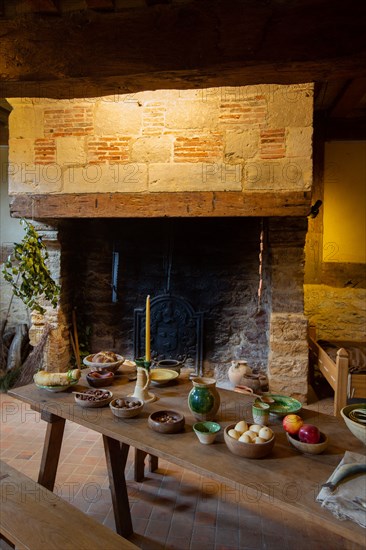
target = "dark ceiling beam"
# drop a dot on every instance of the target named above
(183, 45)
(345, 129)
(100, 4)
(35, 6)
(351, 97)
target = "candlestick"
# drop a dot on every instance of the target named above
(147, 331)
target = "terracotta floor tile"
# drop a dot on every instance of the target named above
(177, 543)
(204, 534)
(228, 537)
(157, 530)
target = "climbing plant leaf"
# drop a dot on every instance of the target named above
(27, 272)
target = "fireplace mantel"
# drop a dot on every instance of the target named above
(154, 205)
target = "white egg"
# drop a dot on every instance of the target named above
(255, 428)
(234, 434)
(241, 426)
(250, 434)
(245, 439)
(259, 440)
(265, 433)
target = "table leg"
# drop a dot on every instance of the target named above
(116, 455)
(51, 449)
(139, 465)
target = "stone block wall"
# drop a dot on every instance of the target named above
(237, 139)
(288, 358)
(337, 313)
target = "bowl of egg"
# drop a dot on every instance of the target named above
(249, 441)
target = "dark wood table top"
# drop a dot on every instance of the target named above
(286, 478)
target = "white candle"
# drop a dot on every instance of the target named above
(147, 331)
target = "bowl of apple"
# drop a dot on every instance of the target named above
(306, 438)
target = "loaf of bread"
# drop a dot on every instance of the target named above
(45, 378)
(105, 357)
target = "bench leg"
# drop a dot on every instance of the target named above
(116, 455)
(139, 466)
(51, 450)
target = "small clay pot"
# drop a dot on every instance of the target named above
(100, 379)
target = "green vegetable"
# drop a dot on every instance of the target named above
(27, 272)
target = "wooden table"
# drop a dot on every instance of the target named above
(285, 479)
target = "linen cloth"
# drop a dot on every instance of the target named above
(341, 501)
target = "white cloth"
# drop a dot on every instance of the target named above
(341, 501)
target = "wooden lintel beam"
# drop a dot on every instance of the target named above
(156, 205)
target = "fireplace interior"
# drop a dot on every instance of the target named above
(223, 267)
(110, 266)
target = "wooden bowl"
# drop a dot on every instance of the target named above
(93, 398)
(309, 448)
(102, 367)
(247, 450)
(127, 411)
(166, 422)
(100, 379)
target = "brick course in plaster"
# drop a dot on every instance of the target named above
(238, 129)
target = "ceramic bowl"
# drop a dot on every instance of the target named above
(171, 364)
(93, 398)
(247, 450)
(100, 379)
(309, 448)
(358, 429)
(160, 377)
(284, 405)
(56, 389)
(126, 407)
(206, 431)
(166, 422)
(102, 367)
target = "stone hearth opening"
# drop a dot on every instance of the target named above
(214, 264)
(252, 299)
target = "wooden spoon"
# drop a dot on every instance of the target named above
(264, 398)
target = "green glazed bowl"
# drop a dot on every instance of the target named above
(206, 431)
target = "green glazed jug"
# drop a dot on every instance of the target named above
(204, 399)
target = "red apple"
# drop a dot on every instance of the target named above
(292, 423)
(309, 434)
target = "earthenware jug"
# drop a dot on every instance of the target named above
(239, 369)
(141, 390)
(204, 399)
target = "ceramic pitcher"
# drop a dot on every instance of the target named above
(142, 384)
(204, 399)
(238, 371)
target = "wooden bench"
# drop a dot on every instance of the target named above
(34, 518)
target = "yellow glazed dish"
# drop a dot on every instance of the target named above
(162, 376)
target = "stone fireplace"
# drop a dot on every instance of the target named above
(204, 193)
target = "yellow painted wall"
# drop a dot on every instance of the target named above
(344, 216)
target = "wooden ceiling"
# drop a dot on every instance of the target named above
(88, 48)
